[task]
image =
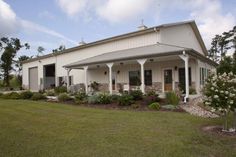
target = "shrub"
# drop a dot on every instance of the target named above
(26, 95)
(154, 106)
(80, 98)
(50, 92)
(125, 100)
(38, 96)
(168, 107)
(60, 89)
(12, 95)
(115, 98)
(93, 99)
(63, 97)
(95, 86)
(136, 94)
(172, 98)
(1, 94)
(104, 98)
(151, 98)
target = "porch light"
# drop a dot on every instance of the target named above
(118, 71)
(105, 73)
(151, 60)
(176, 68)
(98, 66)
(121, 63)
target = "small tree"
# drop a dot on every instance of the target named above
(220, 92)
(10, 47)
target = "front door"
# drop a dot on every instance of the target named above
(168, 80)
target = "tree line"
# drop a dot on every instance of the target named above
(10, 63)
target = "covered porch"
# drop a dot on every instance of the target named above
(158, 67)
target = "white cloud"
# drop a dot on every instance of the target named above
(11, 24)
(211, 19)
(8, 19)
(28, 25)
(46, 14)
(123, 10)
(71, 7)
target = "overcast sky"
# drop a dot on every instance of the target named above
(50, 23)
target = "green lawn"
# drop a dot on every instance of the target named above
(33, 129)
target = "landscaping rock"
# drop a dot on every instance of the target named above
(192, 108)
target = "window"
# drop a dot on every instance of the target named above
(204, 73)
(148, 77)
(134, 78)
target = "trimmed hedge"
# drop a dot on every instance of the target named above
(26, 94)
(63, 97)
(154, 106)
(38, 96)
(125, 100)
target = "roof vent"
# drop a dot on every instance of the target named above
(142, 26)
(82, 42)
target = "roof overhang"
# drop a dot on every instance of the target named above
(156, 50)
(124, 36)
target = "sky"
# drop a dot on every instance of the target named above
(51, 23)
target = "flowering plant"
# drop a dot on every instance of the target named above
(220, 93)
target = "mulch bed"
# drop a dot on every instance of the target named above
(218, 130)
(115, 106)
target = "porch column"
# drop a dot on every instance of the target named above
(86, 79)
(68, 79)
(142, 62)
(110, 76)
(185, 57)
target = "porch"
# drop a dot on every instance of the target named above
(158, 67)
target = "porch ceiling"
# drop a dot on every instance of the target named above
(150, 51)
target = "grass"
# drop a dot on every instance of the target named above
(29, 128)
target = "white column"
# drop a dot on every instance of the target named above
(110, 76)
(68, 79)
(142, 62)
(86, 79)
(185, 57)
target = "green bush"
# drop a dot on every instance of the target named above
(168, 107)
(50, 92)
(81, 98)
(93, 99)
(172, 98)
(12, 95)
(63, 97)
(136, 94)
(104, 98)
(1, 94)
(38, 96)
(125, 100)
(115, 98)
(154, 106)
(26, 95)
(60, 89)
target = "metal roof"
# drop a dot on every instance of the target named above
(127, 35)
(130, 54)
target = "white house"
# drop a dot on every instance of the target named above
(160, 58)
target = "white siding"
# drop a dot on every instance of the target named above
(181, 35)
(67, 58)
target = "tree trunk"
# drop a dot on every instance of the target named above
(225, 127)
(234, 121)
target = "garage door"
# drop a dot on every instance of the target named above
(33, 79)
